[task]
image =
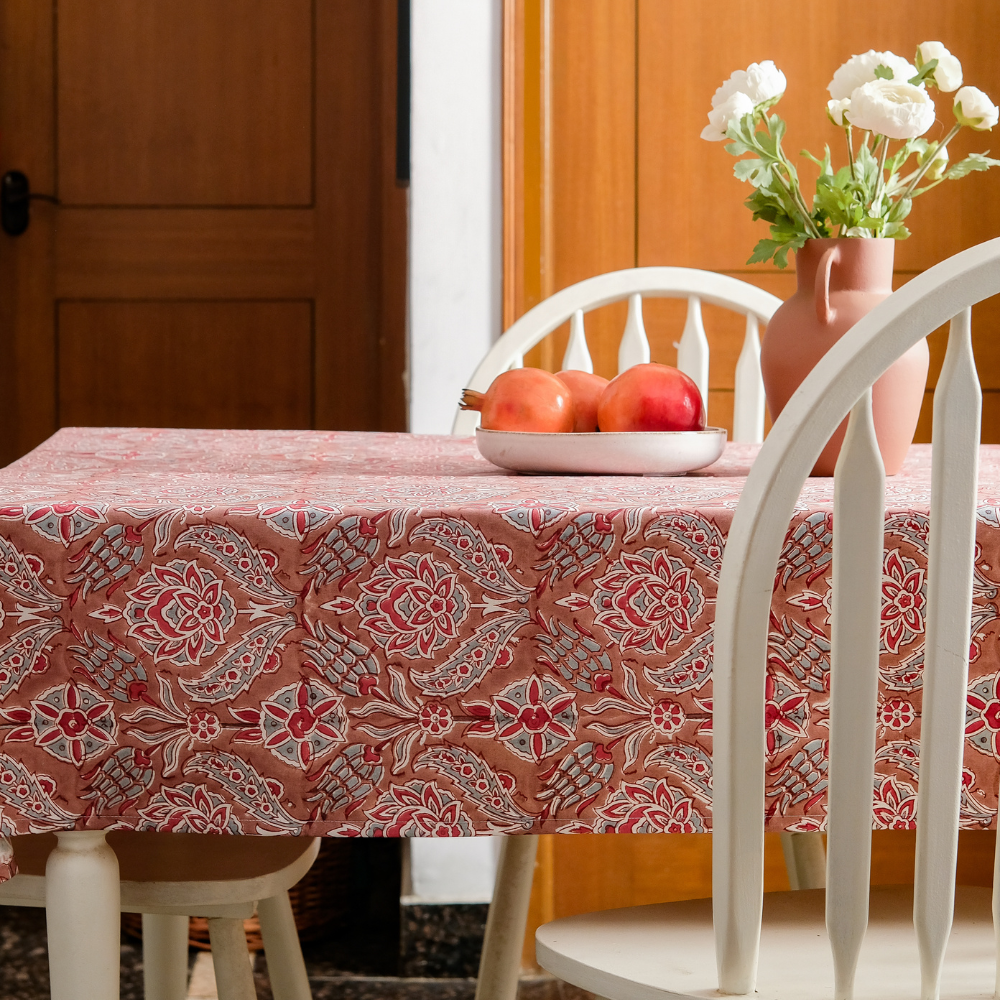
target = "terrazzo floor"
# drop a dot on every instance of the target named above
(346, 966)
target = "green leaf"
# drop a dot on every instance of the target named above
(883, 72)
(925, 71)
(755, 170)
(973, 162)
(763, 251)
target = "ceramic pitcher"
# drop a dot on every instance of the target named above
(839, 281)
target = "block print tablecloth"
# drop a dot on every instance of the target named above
(382, 635)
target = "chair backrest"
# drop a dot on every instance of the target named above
(692, 351)
(839, 384)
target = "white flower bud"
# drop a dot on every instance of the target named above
(732, 109)
(896, 110)
(939, 163)
(836, 109)
(975, 109)
(947, 75)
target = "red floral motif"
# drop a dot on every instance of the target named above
(535, 717)
(71, 722)
(180, 612)
(895, 806)
(786, 712)
(435, 717)
(896, 713)
(204, 726)
(418, 809)
(63, 522)
(902, 601)
(189, 808)
(647, 601)
(982, 714)
(303, 722)
(413, 605)
(667, 717)
(649, 806)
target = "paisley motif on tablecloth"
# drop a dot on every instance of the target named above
(383, 635)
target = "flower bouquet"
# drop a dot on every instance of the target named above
(883, 104)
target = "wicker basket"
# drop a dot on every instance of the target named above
(319, 900)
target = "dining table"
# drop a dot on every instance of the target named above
(355, 634)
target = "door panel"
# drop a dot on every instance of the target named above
(184, 102)
(222, 186)
(185, 364)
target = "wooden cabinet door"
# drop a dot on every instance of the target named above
(222, 243)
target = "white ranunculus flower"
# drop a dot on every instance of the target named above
(836, 109)
(896, 110)
(975, 109)
(947, 75)
(859, 70)
(759, 81)
(732, 109)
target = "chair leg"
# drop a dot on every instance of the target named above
(500, 963)
(82, 913)
(805, 860)
(285, 966)
(164, 956)
(233, 975)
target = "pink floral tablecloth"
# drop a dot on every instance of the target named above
(381, 635)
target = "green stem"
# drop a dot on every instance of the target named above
(880, 186)
(930, 159)
(790, 187)
(850, 149)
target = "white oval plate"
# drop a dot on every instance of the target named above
(649, 453)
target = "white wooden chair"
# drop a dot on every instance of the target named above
(741, 940)
(653, 282)
(167, 877)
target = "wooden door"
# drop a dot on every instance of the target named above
(222, 241)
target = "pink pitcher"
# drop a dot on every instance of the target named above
(839, 281)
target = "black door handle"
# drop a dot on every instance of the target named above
(15, 202)
(15, 199)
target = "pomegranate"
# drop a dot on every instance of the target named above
(523, 399)
(587, 390)
(651, 397)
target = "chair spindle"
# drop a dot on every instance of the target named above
(748, 398)
(692, 351)
(858, 540)
(955, 467)
(634, 347)
(577, 357)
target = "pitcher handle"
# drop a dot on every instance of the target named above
(824, 312)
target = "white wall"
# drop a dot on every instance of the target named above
(455, 261)
(455, 276)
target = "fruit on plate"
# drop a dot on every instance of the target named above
(651, 397)
(587, 390)
(523, 399)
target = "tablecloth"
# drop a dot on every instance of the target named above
(383, 635)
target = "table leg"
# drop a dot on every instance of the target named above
(805, 860)
(82, 913)
(500, 963)
(165, 956)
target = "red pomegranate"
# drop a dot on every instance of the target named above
(523, 399)
(651, 397)
(587, 390)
